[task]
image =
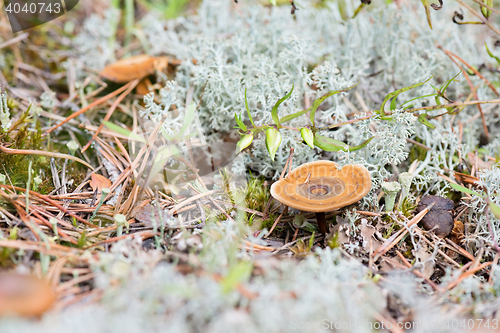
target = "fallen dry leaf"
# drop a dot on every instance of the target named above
(342, 227)
(148, 214)
(421, 255)
(143, 87)
(135, 67)
(99, 182)
(480, 163)
(466, 179)
(367, 232)
(457, 233)
(24, 295)
(385, 266)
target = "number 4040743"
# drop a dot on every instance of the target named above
(33, 8)
(473, 323)
(27, 14)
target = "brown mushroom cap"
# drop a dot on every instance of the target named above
(320, 186)
(24, 295)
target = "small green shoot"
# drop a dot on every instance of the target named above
(320, 100)
(395, 94)
(464, 189)
(307, 136)
(240, 123)
(423, 120)
(273, 141)
(334, 241)
(491, 54)
(274, 111)
(237, 274)
(329, 144)
(248, 109)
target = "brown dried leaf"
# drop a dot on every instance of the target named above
(466, 179)
(99, 182)
(143, 87)
(458, 232)
(422, 255)
(24, 295)
(135, 67)
(367, 232)
(342, 229)
(480, 163)
(381, 227)
(385, 267)
(148, 214)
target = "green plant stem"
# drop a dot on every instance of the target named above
(428, 108)
(370, 113)
(485, 5)
(114, 25)
(28, 185)
(53, 221)
(129, 20)
(485, 21)
(346, 122)
(101, 201)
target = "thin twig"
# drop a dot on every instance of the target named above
(471, 68)
(175, 208)
(14, 40)
(469, 82)
(485, 5)
(485, 21)
(276, 222)
(394, 239)
(43, 153)
(88, 107)
(465, 275)
(416, 272)
(132, 85)
(144, 235)
(53, 203)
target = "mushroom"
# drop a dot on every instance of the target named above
(405, 179)
(390, 189)
(24, 295)
(321, 186)
(438, 218)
